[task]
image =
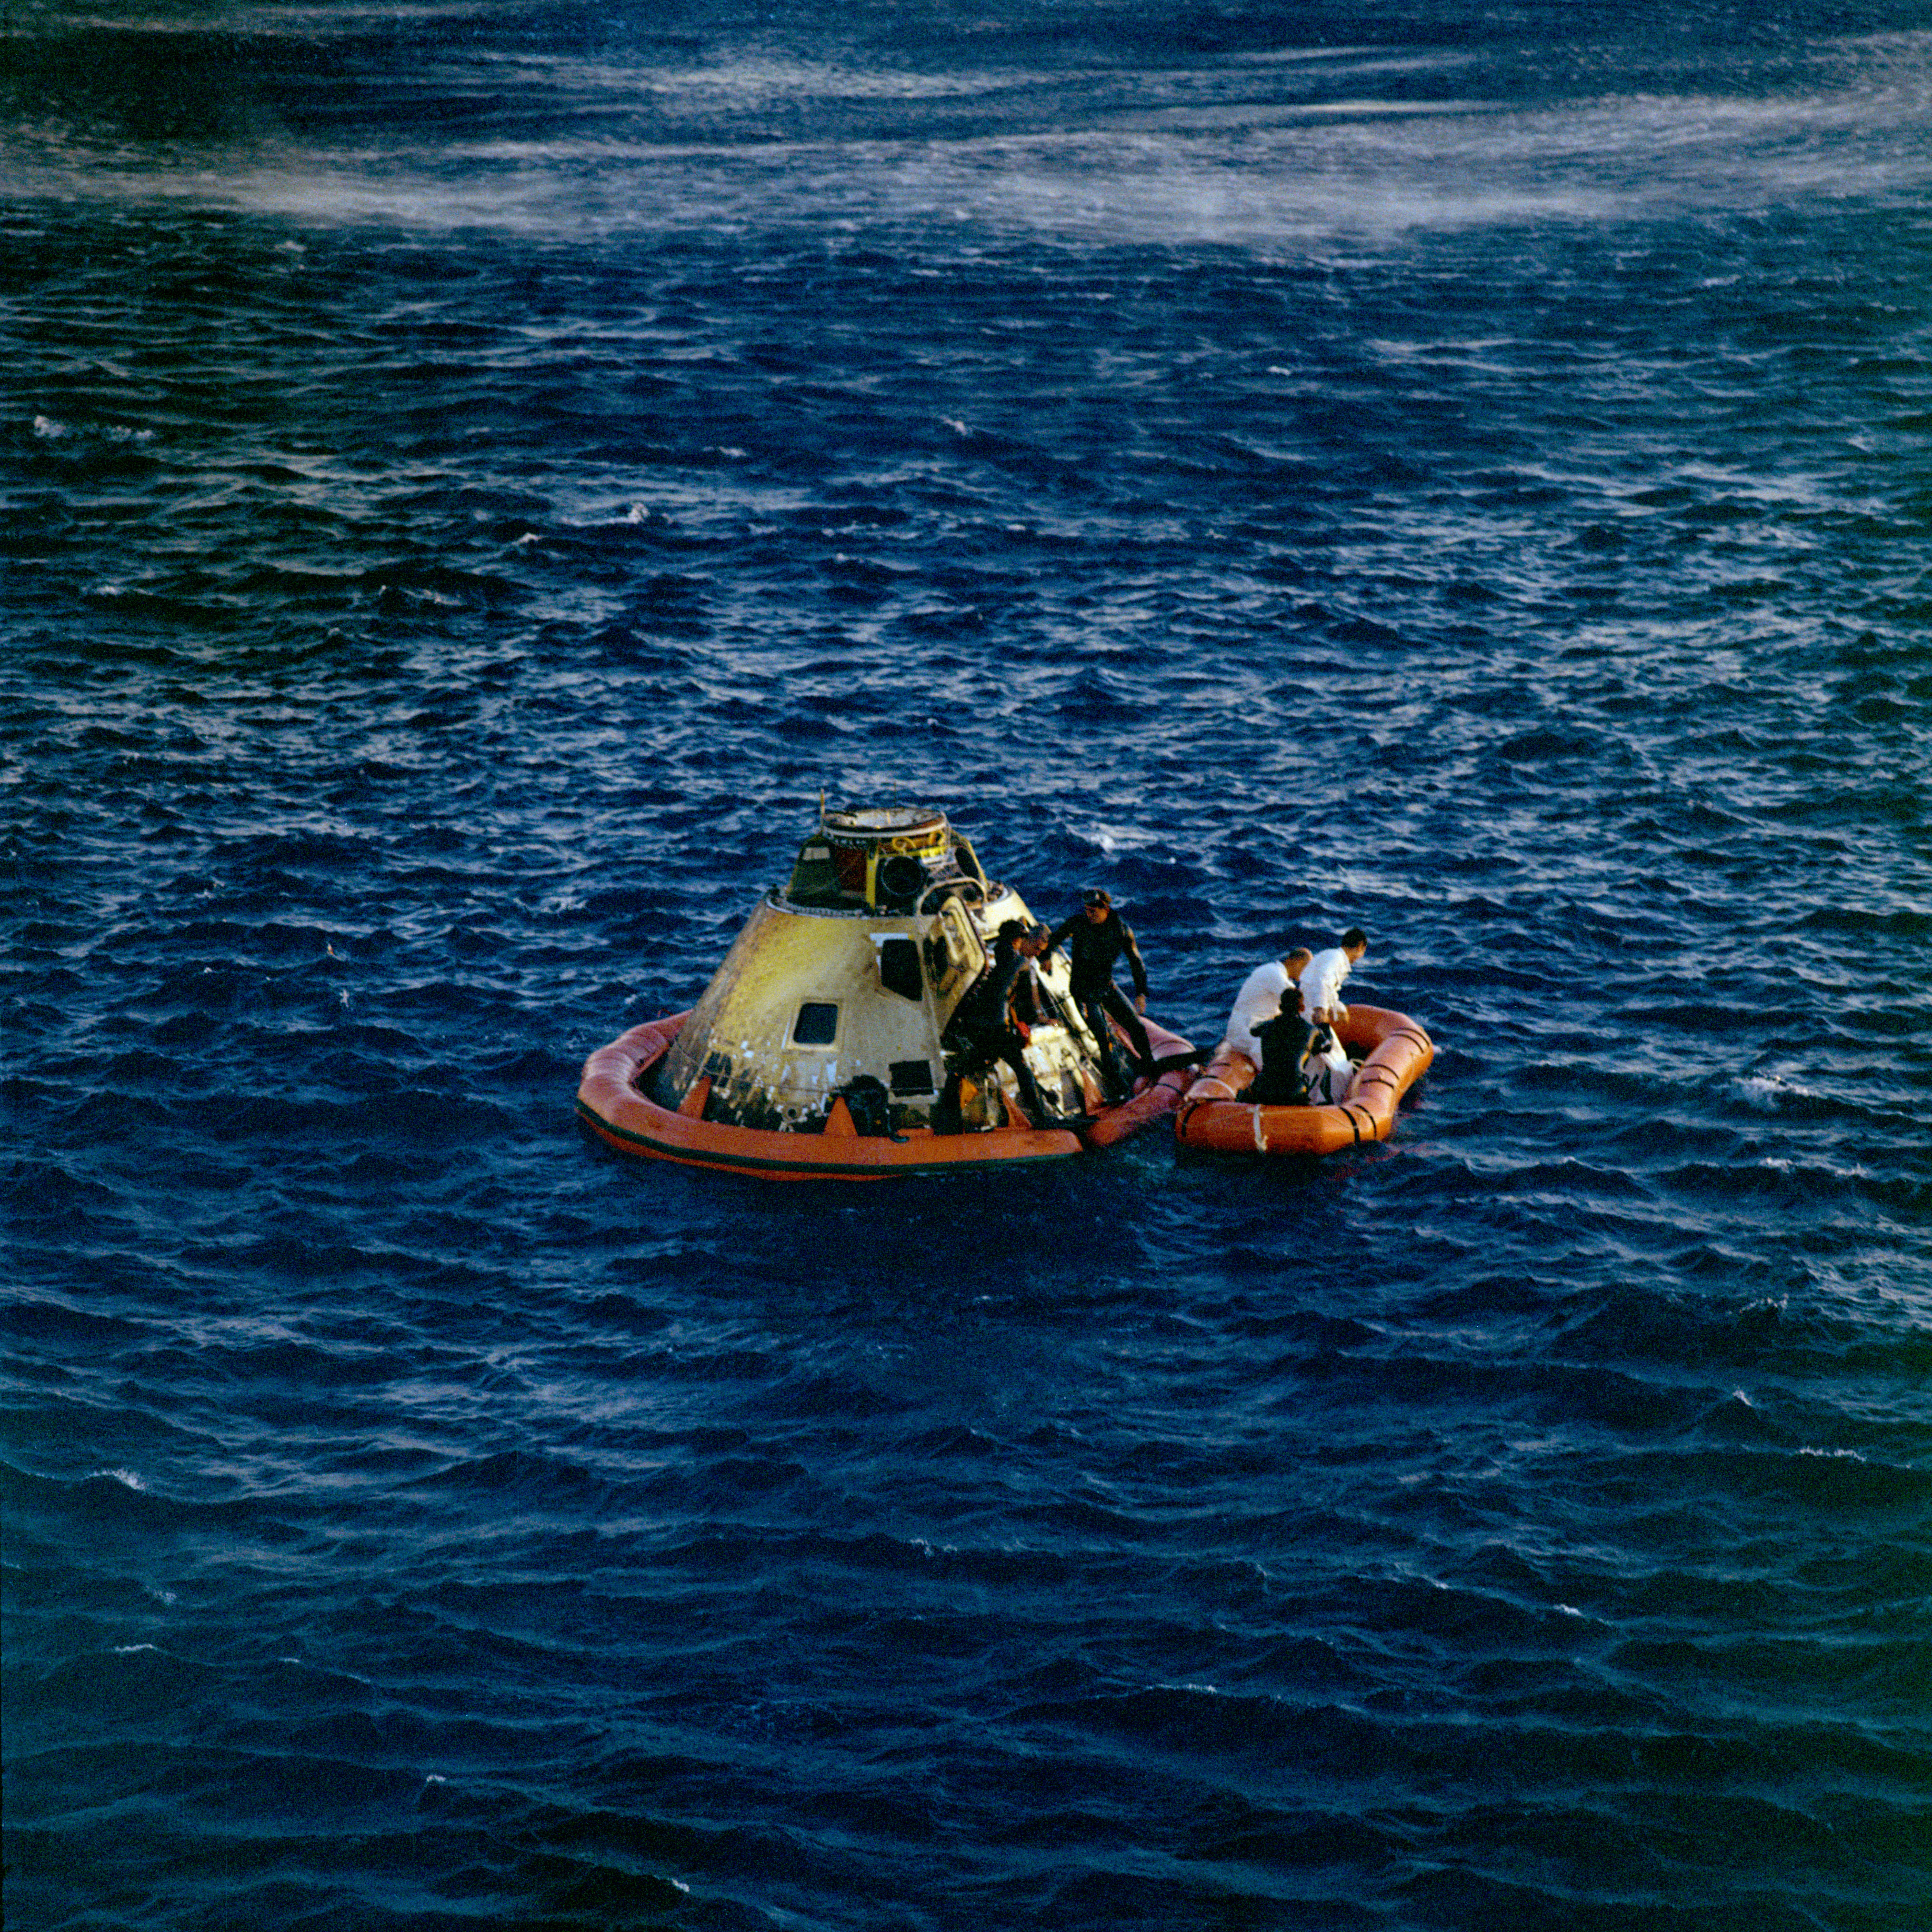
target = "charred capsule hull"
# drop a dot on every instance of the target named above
(1392, 1053)
(825, 1043)
(809, 1000)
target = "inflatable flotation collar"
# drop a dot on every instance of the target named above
(614, 1102)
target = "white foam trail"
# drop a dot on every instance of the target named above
(1237, 173)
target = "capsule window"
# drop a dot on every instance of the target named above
(898, 968)
(816, 1024)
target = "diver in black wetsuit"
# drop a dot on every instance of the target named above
(1095, 936)
(982, 1025)
(1284, 1043)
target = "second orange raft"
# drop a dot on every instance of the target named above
(1393, 1053)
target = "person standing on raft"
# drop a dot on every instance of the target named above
(1329, 1070)
(1095, 936)
(983, 1025)
(1322, 978)
(1260, 997)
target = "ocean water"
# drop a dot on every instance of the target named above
(474, 474)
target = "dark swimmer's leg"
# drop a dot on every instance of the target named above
(1118, 1004)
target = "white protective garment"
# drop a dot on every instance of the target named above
(1330, 1077)
(1258, 1000)
(1322, 981)
(1329, 1073)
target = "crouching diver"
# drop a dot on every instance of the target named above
(1286, 1042)
(981, 1026)
(1095, 936)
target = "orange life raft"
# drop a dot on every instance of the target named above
(1394, 1053)
(614, 1102)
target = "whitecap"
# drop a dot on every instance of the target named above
(45, 427)
(1112, 839)
(1768, 1092)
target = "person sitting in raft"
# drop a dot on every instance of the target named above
(1283, 1044)
(1329, 1071)
(982, 1024)
(1095, 936)
(1260, 997)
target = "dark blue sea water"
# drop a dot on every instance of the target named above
(473, 474)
